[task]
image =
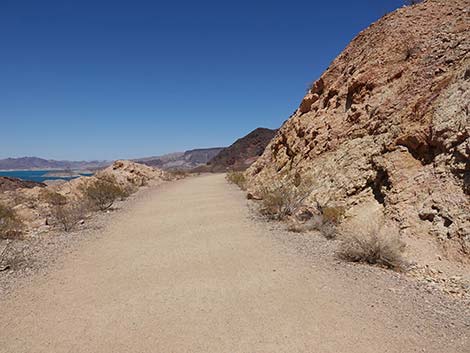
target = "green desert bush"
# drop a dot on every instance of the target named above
(102, 193)
(10, 224)
(237, 178)
(373, 243)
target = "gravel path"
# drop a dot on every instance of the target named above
(187, 269)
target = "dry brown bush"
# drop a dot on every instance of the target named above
(237, 178)
(10, 224)
(284, 198)
(329, 230)
(373, 243)
(70, 214)
(178, 174)
(332, 214)
(53, 198)
(316, 223)
(102, 193)
(128, 191)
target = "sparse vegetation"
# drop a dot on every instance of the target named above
(317, 223)
(66, 214)
(332, 214)
(237, 178)
(283, 199)
(373, 243)
(309, 225)
(127, 191)
(10, 224)
(102, 193)
(178, 174)
(53, 198)
(328, 230)
(69, 215)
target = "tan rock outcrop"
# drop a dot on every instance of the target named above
(131, 172)
(388, 122)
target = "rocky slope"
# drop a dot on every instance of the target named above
(243, 152)
(182, 160)
(8, 184)
(387, 128)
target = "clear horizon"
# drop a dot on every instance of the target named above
(107, 80)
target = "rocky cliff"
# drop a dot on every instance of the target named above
(387, 126)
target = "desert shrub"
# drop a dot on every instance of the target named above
(328, 230)
(178, 174)
(332, 214)
(373, 244)
(69, 215)
(312, 224)
(12, 255)
(237, 178)
(103, 192)
(127, 191)
(283, 199)
(10, 224)
(315, 223)
(53, 198)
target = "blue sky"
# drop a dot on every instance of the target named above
(121, 79)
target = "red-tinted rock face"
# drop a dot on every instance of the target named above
(388, 123)
(243, 152)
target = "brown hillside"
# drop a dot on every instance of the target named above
(387, 128)
(243, 152)
(8, 184)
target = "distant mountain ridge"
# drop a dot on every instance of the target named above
(182, 160)
(35, 163)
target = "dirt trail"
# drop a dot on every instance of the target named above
(186, 270)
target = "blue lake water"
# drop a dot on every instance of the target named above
(36, 175)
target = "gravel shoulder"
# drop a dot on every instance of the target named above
(186, 267)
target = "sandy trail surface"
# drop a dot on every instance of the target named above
(185, 269)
